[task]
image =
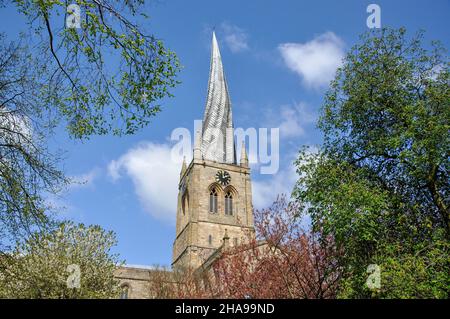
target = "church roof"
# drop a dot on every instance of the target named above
(217, 142)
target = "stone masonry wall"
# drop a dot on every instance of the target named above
(196, 223)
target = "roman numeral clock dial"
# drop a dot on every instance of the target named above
(223, 177)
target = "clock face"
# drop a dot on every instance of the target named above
(223, 177)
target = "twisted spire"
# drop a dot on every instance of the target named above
(217, 133)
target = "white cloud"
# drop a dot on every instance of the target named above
(235, 37)
(16, 128)
(155, 176)
(62, 207)
(294, 118)
(315, 61)
(265, 192)
(84, 180)
(291, 119)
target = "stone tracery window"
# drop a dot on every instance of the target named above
(213, 201)
(229, 203)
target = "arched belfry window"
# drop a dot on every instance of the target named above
(185, 203)
(124, 291)
(229, 203)
(213, 201)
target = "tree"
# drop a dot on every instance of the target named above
(283, 261)
(108, 74)
(73, 261)
(388, 110)
(27, 169)
(380, 183)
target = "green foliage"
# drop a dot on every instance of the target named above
(342, 201)
(94, 97)
(379, 185)
(27, 169)
(39, 267)
(108, 76)
(389, 110)
(421, 274)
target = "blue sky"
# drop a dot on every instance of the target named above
(278, 57)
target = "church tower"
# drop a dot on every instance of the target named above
(214, 198)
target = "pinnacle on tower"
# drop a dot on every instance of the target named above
(198, 146)
(183, 166)
(244, 157)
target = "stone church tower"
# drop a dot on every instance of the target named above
(215, 198)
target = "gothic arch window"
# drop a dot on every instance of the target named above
(185, 203)
(124, 291)
(213, 200)
(229, 203)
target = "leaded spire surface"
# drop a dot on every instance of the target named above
(217, 131)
